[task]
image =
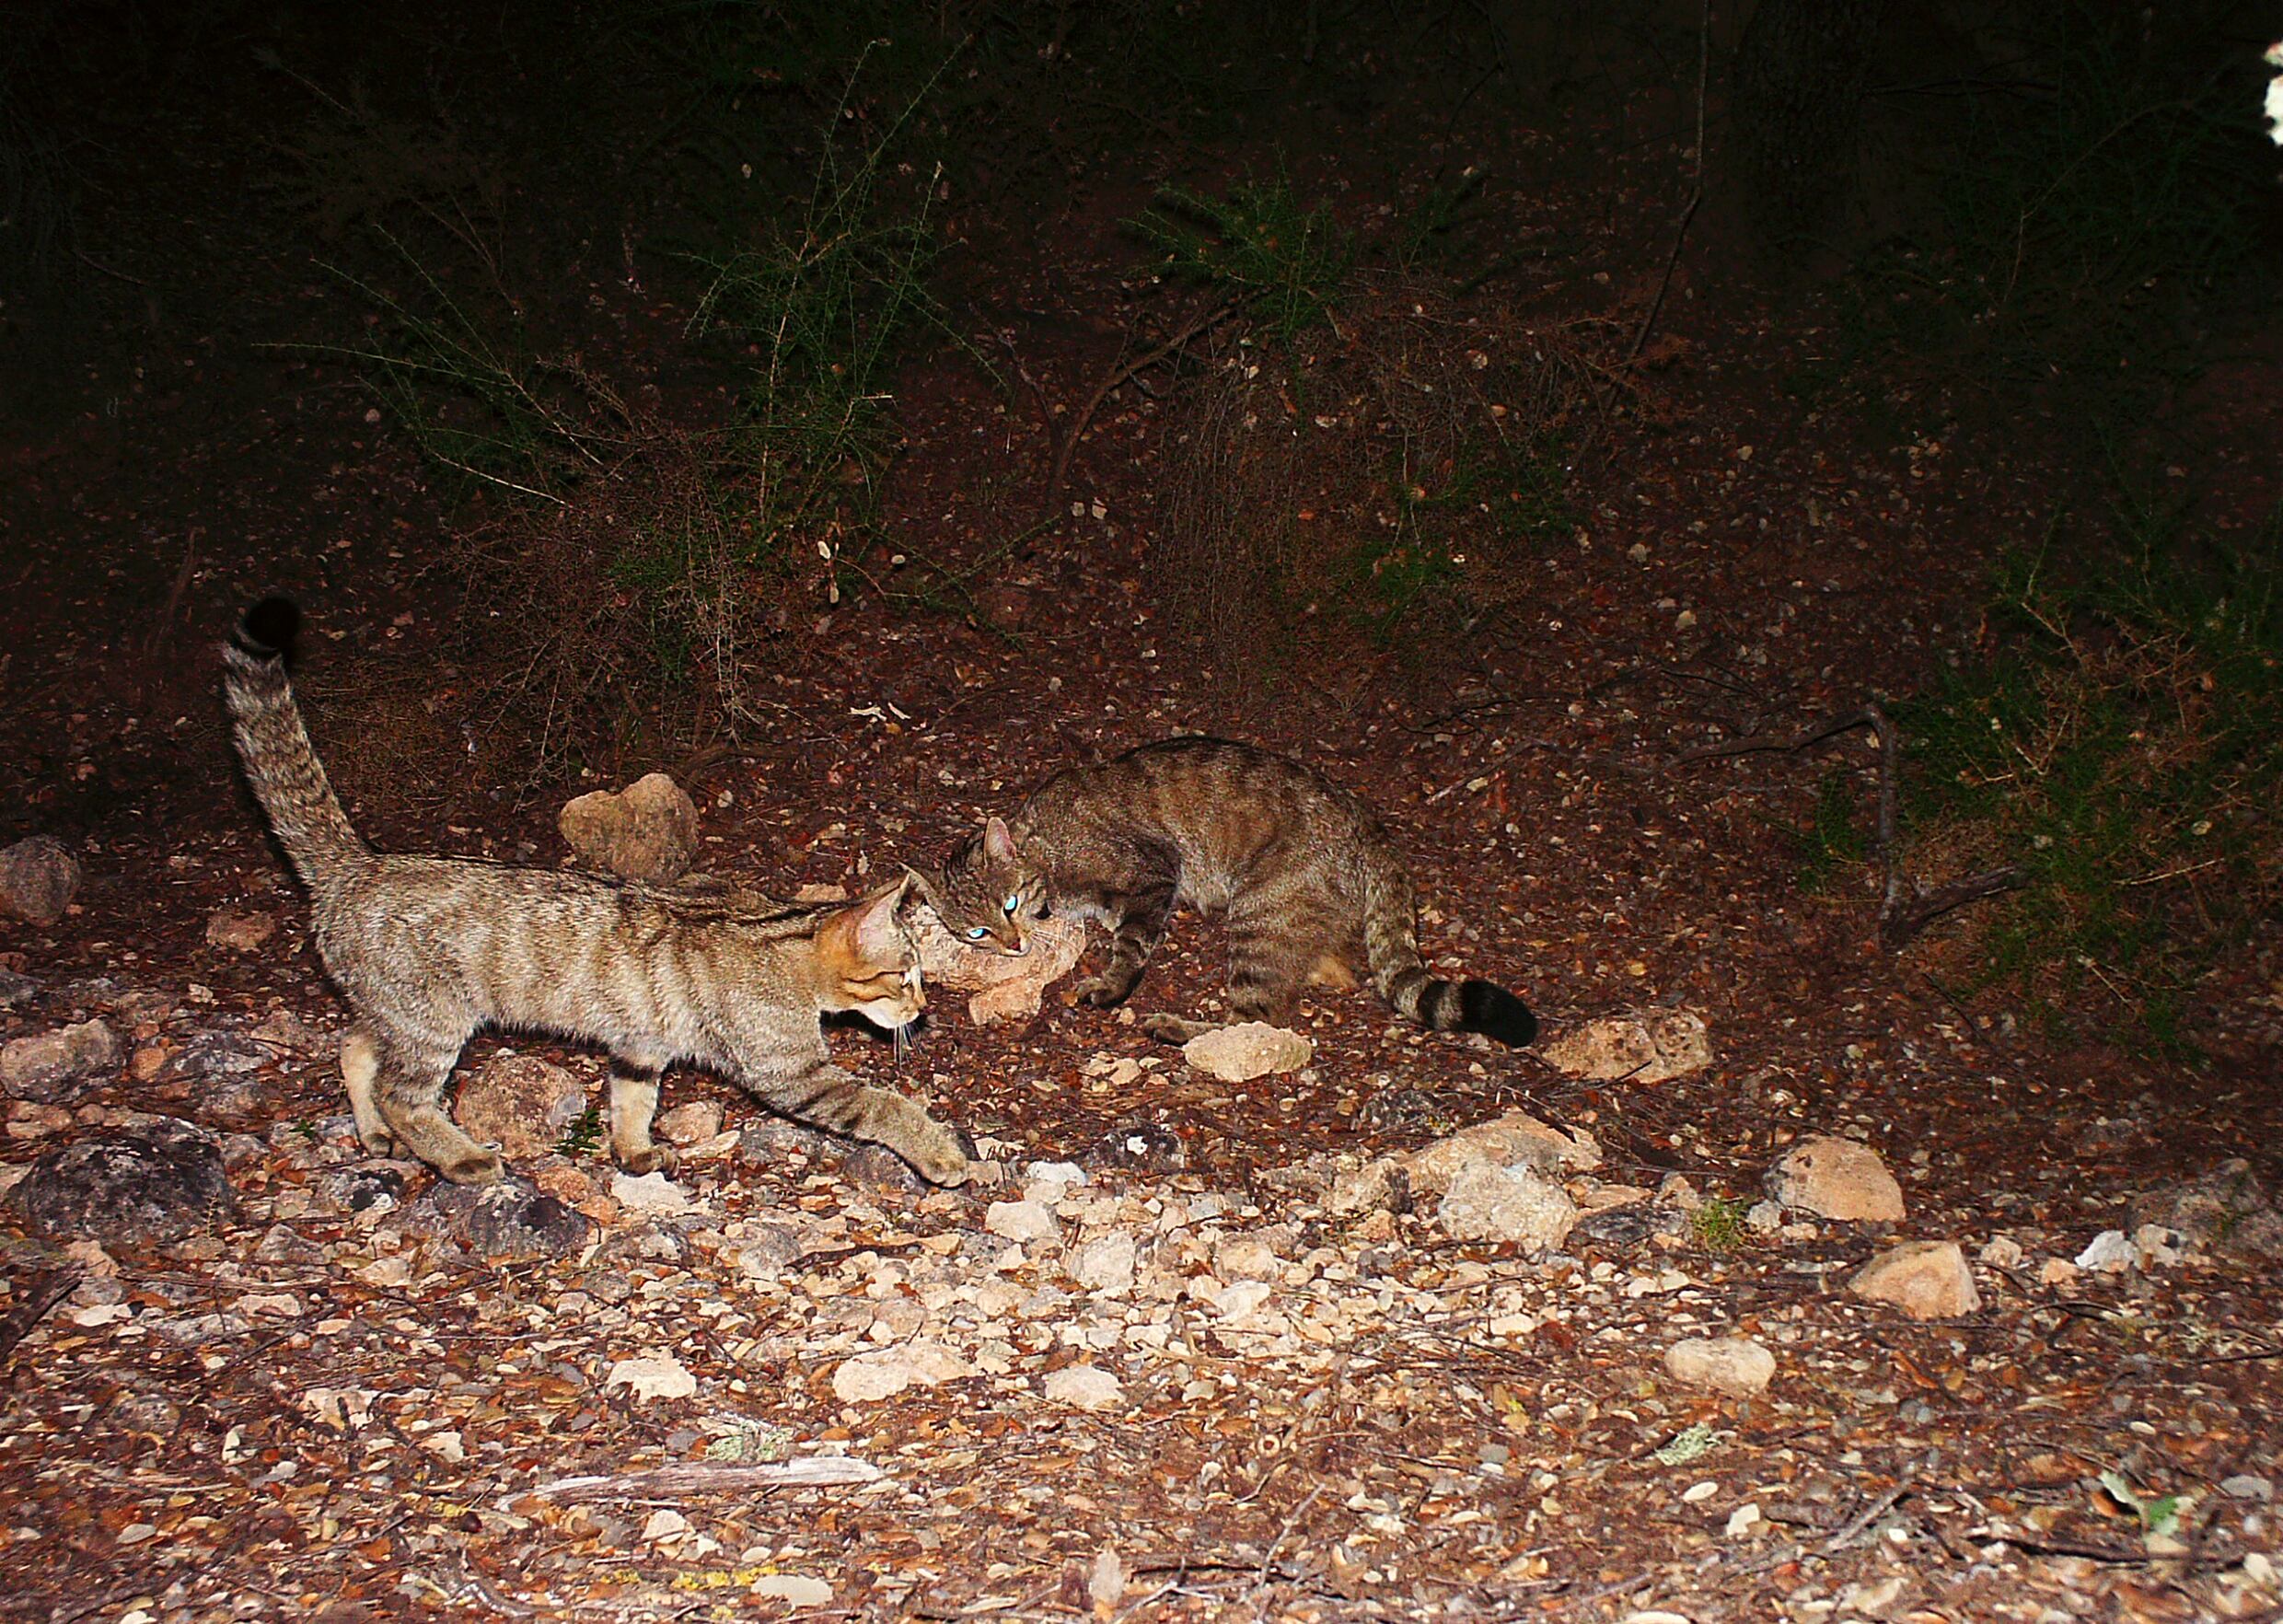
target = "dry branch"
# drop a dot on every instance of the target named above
(691, 1478)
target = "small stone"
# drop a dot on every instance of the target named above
(1927, 1280)
(691, 1122)
(2108, 1253)
(1514, 1140)
(1834, 1178)
(803, 1589)
(653, 1195)
(2248, 1486)
(1744, 1519)
(666, 1525)
(1492, 1203)
(651, 1376)
(2227, 1210)
(48, 1066)
(510, 1219)
(1636, 1047)
(869, 1377)
(1022, 1221)
(1084, 1387)
(2000, 1251)
(1141, 1147)
(1104, 1264)
(138, 1187)
(1250, 1049)
(1736, 1365)
(39, 877)
(239, 932)
(16, 991)
(647, 832)
(520, 1102)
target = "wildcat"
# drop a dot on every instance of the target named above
(428, 950)
(1311, 885)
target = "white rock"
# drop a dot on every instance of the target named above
(651, 1376)
(1105, 1264)
(2109, 1253)
(1744, 1519)
(1736, 1365)
(666, 1525)
(1491, 1203)
(1927, 1280)
(803, 1589)
(1253, 1049)
(869, 1377)
(653, 1194)
(1639, 1047)
(1834, 1178)
(1022, 1221)
(1084, 1387)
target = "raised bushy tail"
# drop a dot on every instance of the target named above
(1401, 977)
(281, 764)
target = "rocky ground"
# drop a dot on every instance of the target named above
(1346, 1339)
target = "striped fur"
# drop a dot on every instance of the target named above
(427, 951)
(1311, 886)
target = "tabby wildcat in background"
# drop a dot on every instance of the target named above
(1311, 885)
(428, 950)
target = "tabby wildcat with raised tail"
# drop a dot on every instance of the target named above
(1311, 885)
(429, 950)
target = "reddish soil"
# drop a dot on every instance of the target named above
(1742, 564)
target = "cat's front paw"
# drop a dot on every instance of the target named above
(655, 1158)
(377, 1142)
(481, 1166)
(940, 1159)
(1102, 993)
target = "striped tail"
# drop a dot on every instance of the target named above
(280, 765)
(1401, 977)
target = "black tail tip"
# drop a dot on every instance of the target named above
(266, 631)
(1490, 1009)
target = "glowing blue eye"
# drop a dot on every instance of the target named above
(976, 933)
(1012, 903)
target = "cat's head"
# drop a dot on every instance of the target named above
(986, 894)
(869, 962)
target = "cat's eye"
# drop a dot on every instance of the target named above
(1010, 905)
(976, 933)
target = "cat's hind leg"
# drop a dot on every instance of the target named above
(410, 1073)
(359, 1069)
(633, 1102)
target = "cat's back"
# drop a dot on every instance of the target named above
(1226, 808)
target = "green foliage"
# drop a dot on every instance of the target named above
(1717, 1224)
(584, 1137)
(2074, 216)
(1833, 843)
(1259, 245)
(2122, 740)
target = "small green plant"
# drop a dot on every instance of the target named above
(584, 1137)
(2121, 740)
(1833, 843)
(1693, 1442)
(2159, 1515)
(1718, 1223)
(1260, 245)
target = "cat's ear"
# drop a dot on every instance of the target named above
(998, 841)
(864, 936)
(920, 886)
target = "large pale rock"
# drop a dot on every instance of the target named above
(651, 1376)
(869, 1377)
(2227, 1209)
(38, 878)
(130, 1188)
(1249, 1050)
(1927, 1280)
(1834, 1178)
(1638, 1046)
(1002, 986)
(49, 1066)
(1084, 1387)
(693, 1122)
(1023, 1221)
(1489, 1202)
(1736, 1365)
(1105, 1264)
(1514, 1140)
(520, 1102)
(645, 832)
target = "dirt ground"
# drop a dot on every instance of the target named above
(329, 1406)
